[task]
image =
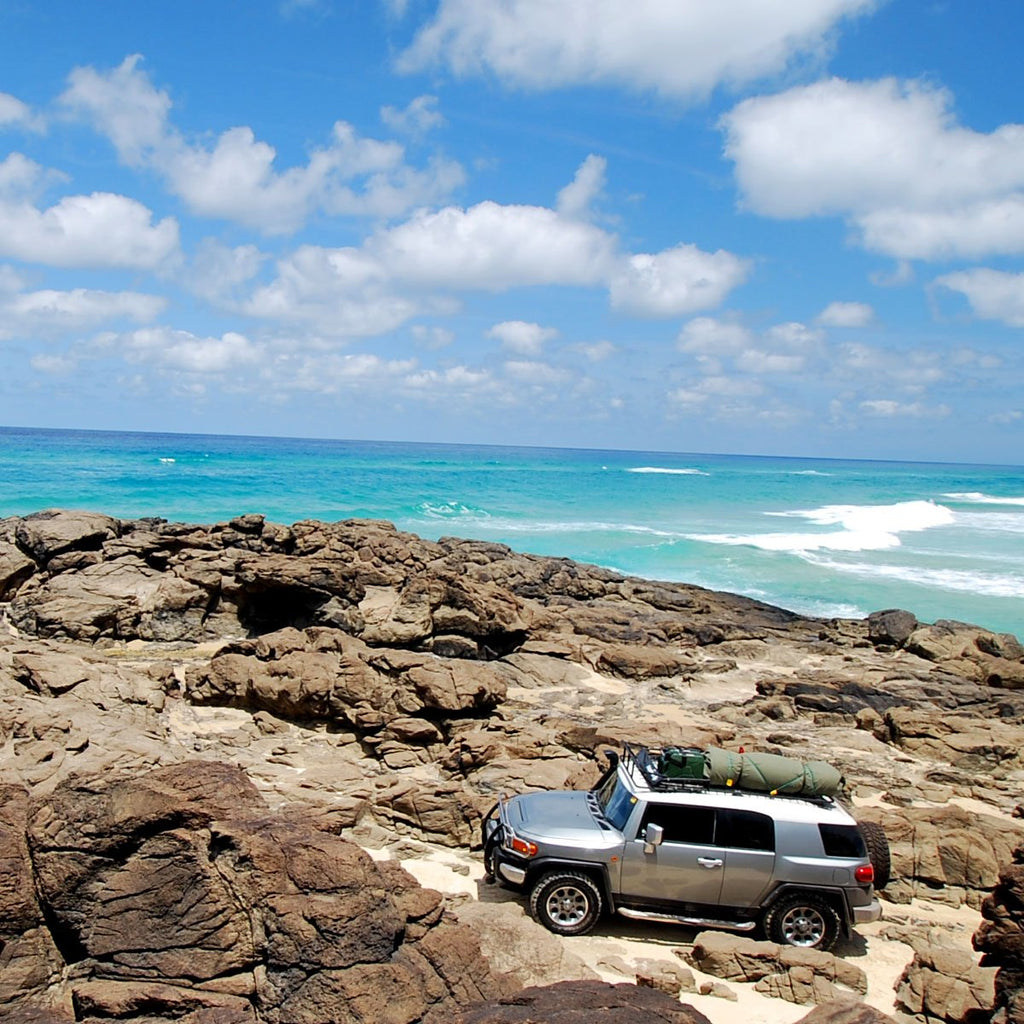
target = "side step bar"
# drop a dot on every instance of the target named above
(692, 922)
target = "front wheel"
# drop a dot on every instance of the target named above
(802, 920)
(566, 902)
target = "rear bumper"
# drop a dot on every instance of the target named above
(865, 915)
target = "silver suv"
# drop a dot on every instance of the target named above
(685, 852)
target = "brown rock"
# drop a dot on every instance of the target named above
(579, 1002)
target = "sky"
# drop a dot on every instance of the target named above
(780, 227)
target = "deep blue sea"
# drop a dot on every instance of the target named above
(821, 537)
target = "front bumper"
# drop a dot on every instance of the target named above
(865, 915)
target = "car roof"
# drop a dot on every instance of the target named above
(780, 807)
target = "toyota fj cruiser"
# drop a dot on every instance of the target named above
(680, 850)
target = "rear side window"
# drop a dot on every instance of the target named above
(842, 841)
(694, 825)
(745, 830)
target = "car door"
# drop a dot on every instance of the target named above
(746, 840)
(686, 867)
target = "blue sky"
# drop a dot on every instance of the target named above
(754, 226)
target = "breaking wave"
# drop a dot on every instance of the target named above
(857, 528)
(977, 498)
(668, 471)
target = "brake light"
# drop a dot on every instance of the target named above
(523, 847)
(865, 874)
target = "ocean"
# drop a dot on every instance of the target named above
(821, 537)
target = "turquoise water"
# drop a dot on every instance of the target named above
(820, 537)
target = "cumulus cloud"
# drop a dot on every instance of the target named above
(576, 199)
(419, 265)
(889, 157)
(992, 294)
(97, 230)
(527, 339)
(530, 371)
(680, 48)
(888, 409)
(78, 309)
(846, 314)
(676, 281)
(708, 336)
(237, 177)
(183, 351)
(15, 113)
(418, 118)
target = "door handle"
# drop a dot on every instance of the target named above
(709, 862)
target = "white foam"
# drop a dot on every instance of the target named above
(961, 580)
(977, 498)
(861, 528)
(165, 460)
(451, 510)
(666, 470)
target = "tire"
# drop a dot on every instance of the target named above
(877, 843)
(566, 902)
(804, 921)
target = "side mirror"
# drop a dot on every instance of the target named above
(653, 836)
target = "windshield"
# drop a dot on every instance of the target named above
(615, 801)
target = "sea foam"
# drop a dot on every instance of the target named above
(668, 471)
(860, 528)
(977, 498)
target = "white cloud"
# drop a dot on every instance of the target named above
(889, 157)
(527, 339)
(330, 373)
(494, 247)
(530, 371)
(77, 309)
(237, 178)
(576, 199)
(708, 336)
(418, 118)
(676, 281)
(681, 48)
(888, 409)
(793, 334)
(417, 266)
(432, 337)
(846, 314)
(54, 365)
(97, 230)
(15, 112)
(715, 389)
(993, 294)
(596, 351)
(218, 272)
(757, 361)
(189, 353)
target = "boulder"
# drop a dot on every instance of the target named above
(178, 891)
(1001, 938)
(846, 1011)
(943, 983)
(891, 627)
(738, 958)
(579, 1002)
(45, 535)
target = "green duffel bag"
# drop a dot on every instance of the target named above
(683, 763)
(772, 773)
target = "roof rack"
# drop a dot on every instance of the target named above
(638, 760)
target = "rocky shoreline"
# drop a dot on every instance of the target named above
(206, 728)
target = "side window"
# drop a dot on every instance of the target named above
(694, 825)
(745, 830)
(842, 841)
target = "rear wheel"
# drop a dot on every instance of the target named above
(802, 920)
(877, 843)
(566, 902)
